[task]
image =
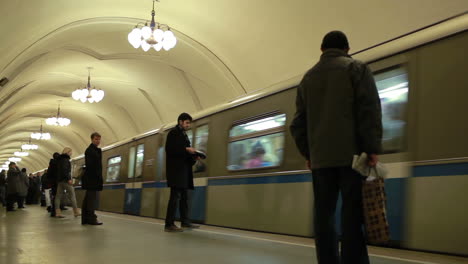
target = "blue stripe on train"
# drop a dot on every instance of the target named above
(262, 180)
(114, 187)
(441, 170)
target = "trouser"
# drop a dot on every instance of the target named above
(47, 197)
(178, 196)
(70, 191)
(53, 193)
(20, 199)
(89, 206)
(2, 195)
(11, 199)
(328, 182)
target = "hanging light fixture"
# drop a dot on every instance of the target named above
(29, 146)
(14, 159)
(41, 135)
(21, 153)
(156, 35)
(88, 94)
(58, 120)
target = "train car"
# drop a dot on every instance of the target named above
(255, 179)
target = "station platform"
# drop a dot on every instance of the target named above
(30, 236)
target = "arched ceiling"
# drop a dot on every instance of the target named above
(225, 50)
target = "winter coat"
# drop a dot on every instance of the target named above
(338, 111)
(13, 181)
(23, 184)
(92, 177)
(63, 168)
(178, 161)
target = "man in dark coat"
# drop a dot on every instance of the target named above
(52, 181)
(179, 162)
(92, 181)
(3, 187)
(338, 115)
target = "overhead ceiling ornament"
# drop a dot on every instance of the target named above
(14, 159)
(41, 135)
(29, 146)
(156, 35)
(58, 120)
(88, 94)
(21, 153)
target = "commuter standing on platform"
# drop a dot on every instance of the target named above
(338, 115)
(13, 182)
(65, 182)
(179, 162)
(23, 188)
(3, 187)
(92, 181)
(52, 182)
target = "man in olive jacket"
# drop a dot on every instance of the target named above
(338, 115)
(179, 162)
(92, 181)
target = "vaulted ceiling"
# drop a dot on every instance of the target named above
(226, 50)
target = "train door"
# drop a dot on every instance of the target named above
(136, 156)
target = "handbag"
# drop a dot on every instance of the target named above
(374, 203)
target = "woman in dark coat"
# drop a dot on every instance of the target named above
(65, 182)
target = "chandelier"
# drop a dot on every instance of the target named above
(14, 159)
(21, 153)
(88, 94)
(58, 120)
(40, 135)
(156, 35)
(29, 146)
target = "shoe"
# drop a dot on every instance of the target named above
(173, 228)
(191, 226)
(63, 208)
(59, 216)
(95, 223)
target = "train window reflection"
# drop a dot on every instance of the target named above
(258, 125)
(257, 144)
(113, 169)
(131, 163)
(393, 91)
(201, 143)
(140, 156)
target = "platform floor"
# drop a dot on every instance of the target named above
(29, 236)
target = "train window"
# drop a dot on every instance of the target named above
(131, 163)
(113, 169)
(140, 156)
(258, 125)
(201, 143)
(190, 136)
(392, 85)
(257, 144)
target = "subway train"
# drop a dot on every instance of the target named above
(255, 179)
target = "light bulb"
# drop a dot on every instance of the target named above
(146, 32)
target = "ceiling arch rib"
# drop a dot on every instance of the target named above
(122, 24)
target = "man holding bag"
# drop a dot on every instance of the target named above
(338, 115)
